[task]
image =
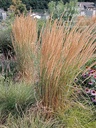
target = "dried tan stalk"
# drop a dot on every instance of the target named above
(24, 31)
(63, 53)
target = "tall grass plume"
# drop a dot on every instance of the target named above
(24, 37)
(63, 52)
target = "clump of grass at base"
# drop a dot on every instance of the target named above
(63, 52)
(78, 117)
(32, 121)
(15, 98)
(24, 38)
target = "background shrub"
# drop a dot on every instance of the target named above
(5, 42)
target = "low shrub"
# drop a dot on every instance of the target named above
(15, 98)
(5, 42)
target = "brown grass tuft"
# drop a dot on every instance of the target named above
(63, 53)
(24, 37)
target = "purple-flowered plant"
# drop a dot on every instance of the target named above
(87, 90)
(88, 82)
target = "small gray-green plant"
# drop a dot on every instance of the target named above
(15, 97)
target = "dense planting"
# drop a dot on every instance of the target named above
(53, 87)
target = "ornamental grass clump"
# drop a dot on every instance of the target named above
(24, 37)
(63, 52)
(15, 98)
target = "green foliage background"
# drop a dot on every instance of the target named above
(34, 4)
